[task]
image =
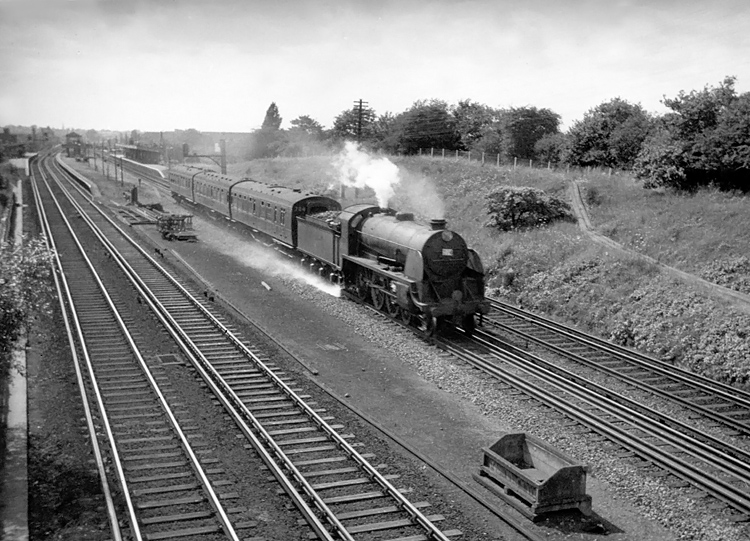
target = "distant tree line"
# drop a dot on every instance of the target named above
(704, 139)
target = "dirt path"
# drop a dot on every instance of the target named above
(734, 298)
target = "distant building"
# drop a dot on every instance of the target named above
(74, 144)
(140, 153)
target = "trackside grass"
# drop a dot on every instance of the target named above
(706, 233)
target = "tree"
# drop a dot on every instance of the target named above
(427, 124)
(610, 135)
(522, 127)
(472, 121)
(661, 162)
(346, 126)
(552, 148)
(272, 120)
(268, 141)
(305, 124)
(490, 140)
(303, 138)
(382, 130)
(704, 139)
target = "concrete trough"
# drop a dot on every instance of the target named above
(533, 476)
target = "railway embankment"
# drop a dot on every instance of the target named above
(736, 298)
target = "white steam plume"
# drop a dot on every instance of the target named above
(357, 169)
(256, 256)
(418, 194)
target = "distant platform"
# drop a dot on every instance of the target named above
(157, 169)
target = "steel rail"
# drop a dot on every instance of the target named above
(213, 498)
(741, 426)
(134, 527)
(735, 463)
(707, 384)
(211, 376)
(692, 473)
(652, 413)
(372, 473)
(56, 267)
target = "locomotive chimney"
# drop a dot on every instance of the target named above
(437, 224)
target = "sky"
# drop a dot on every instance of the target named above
(160, 65)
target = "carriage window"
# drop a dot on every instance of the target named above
(254, 211)
(274, 214)
(282, 216)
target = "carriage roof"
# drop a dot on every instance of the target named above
(250, 187)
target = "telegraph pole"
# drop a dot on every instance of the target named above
(360, 108)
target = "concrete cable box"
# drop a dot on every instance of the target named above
(533, 476)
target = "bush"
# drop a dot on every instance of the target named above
(732, 272)
(661, 163)
(513, 207)
(23, 286)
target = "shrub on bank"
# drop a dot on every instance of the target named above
(522, 207)
(24, 284)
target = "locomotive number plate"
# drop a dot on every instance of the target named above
(448, 252)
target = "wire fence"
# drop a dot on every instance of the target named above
(497, 160)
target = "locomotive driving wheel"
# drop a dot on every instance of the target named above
(392, 307)
(361, 286)
(378, 297)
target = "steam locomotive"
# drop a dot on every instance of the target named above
(421, 274)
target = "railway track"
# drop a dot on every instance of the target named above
(676, 446)
(327, 474)
(722, 407)
(162, 485)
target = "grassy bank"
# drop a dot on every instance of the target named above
(559, 272)
(706, 233)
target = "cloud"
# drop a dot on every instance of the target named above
(218, 65)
